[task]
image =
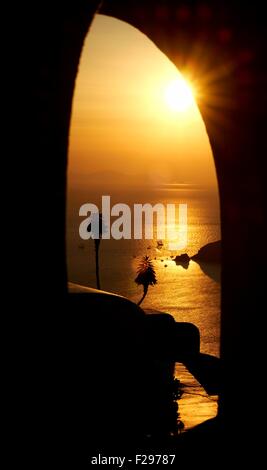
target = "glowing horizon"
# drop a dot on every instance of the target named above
(133, 112)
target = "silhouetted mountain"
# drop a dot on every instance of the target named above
(210, 253)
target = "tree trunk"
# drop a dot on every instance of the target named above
(143, 296)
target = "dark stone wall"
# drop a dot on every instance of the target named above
(224, 45)
(55, 35)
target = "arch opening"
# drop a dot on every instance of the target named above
(137, 136)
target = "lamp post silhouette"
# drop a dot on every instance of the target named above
(97, 239)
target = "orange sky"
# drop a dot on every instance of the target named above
(121, 121)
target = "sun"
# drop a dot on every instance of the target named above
(179, 95)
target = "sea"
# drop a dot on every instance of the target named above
(190, 293)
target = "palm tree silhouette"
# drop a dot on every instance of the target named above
(146, 276)
(97, 239)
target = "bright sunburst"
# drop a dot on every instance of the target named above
(179, 95)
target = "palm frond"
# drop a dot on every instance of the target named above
(146, 275)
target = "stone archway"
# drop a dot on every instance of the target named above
(234, 36)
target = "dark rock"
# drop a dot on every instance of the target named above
(182, 259)
(210, 253)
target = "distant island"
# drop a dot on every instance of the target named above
(210, 253)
